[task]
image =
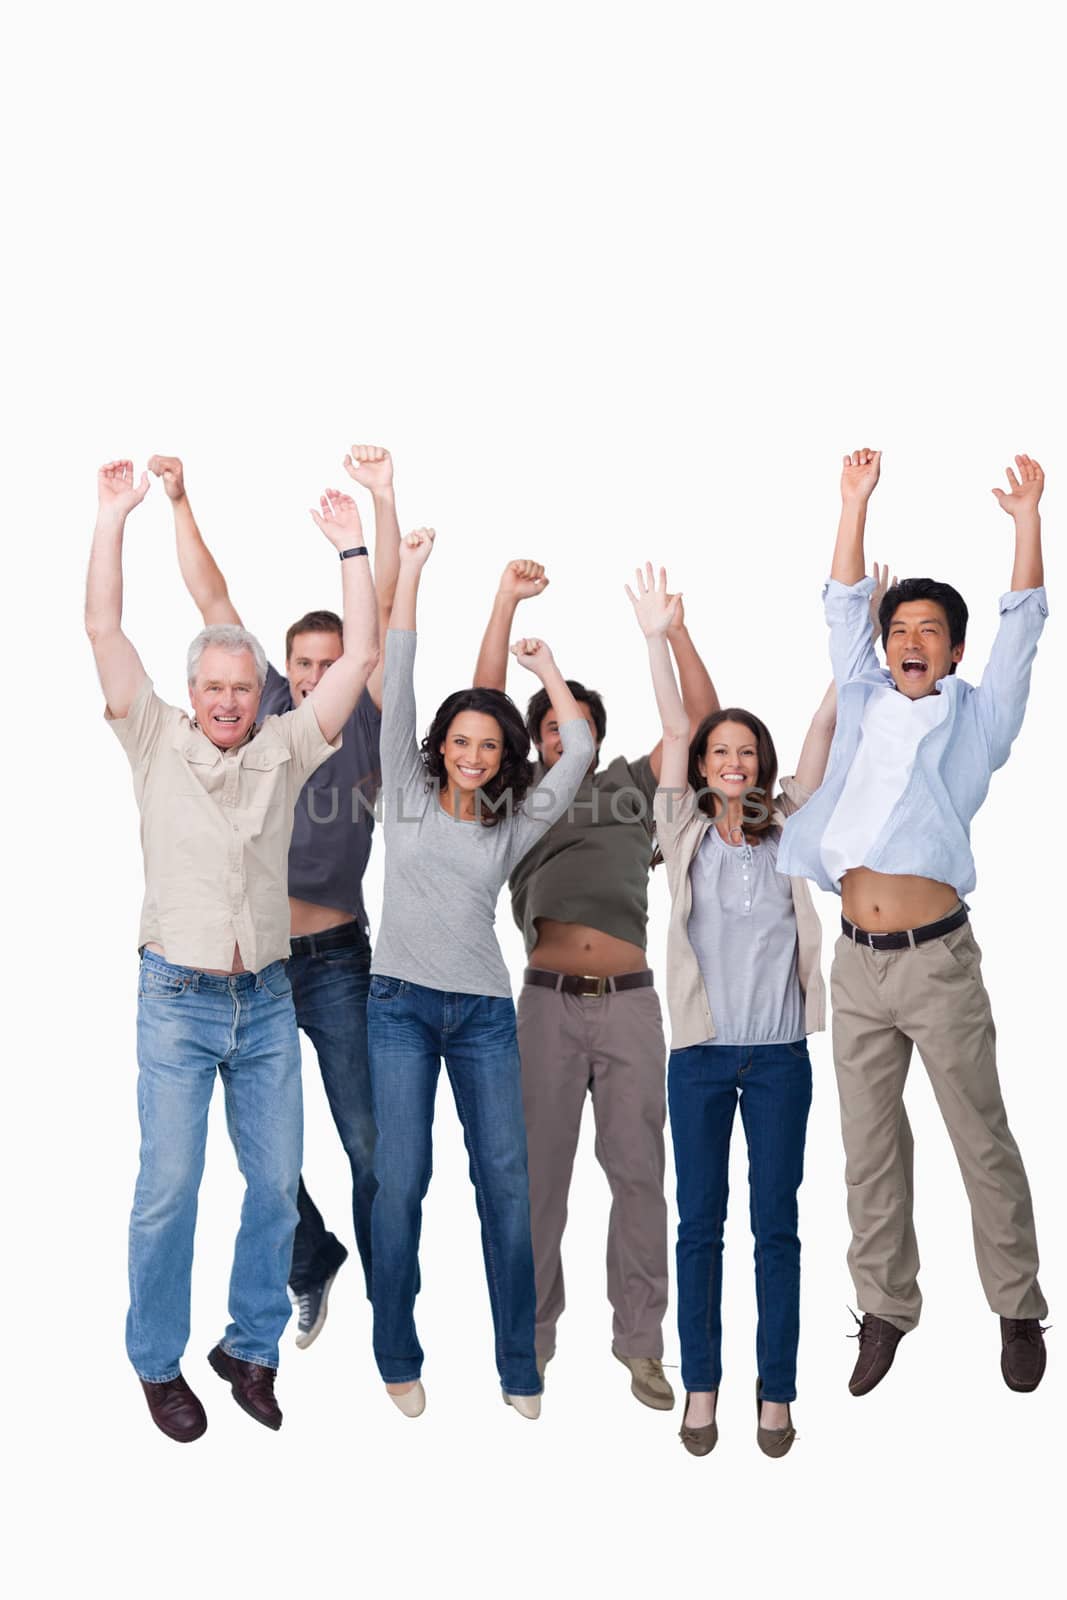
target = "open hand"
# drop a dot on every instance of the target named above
(859, 475)
(115, 489)
(654, 608)
(521, 580)
(1022, 496)
(415, 548)
(534, 655)
(370, 465)
(170, 469)
(338, 517)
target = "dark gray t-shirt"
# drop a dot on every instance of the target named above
(334, 819)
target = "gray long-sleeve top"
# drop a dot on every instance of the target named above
(443, 876)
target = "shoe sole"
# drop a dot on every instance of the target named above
(646, 1400)
(245, 1407)
(1022, 1388)
(181, 1438)
(304, 1339)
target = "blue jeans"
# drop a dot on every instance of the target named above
(773, 1084)
(330, 974)
(191, 1025)
(410, 1029)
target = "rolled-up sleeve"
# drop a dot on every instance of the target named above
(847, 610)
(1002, 694)
(299, 731)
(139, 730)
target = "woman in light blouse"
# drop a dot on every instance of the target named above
(744, 990)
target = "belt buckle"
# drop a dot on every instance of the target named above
(598, 990)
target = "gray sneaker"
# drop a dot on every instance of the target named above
(311, 1310)
(648, 1383)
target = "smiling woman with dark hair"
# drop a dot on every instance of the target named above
(458, 813)
(509, 784)
(744, 989)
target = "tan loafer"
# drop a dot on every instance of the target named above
(698, 1441)
(773, 1441)
(647, 1381)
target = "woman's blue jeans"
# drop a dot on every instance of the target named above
(772, 1084)
(410, 1028)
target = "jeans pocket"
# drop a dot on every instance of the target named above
(799, 1049)
(154, 985)
(274, 980)
(386, 988)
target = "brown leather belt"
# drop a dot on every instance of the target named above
(586, 987)
(910, 938)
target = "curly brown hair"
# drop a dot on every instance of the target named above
(504, 793)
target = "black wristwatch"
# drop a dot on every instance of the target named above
(358, 550)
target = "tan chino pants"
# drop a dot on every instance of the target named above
(932, 996)
(612, 1049)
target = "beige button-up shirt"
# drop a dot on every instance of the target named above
(215, 830)
(680, 830)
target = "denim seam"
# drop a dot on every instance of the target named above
(496, 1302)
(251, 1360)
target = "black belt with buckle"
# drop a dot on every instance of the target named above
(588, 988)
(908, 939)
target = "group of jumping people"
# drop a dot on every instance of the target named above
(257, 815)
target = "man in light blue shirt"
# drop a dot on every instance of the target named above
(889, 830)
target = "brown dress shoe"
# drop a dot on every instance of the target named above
(252, 1386)
(698, 1441)
(773, 1441)
(878, 1345)
(175, 1410)
(1022, 1355)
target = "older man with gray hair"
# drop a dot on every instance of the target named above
(216, 794)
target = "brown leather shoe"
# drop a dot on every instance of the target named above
(878, 1345)
(252, 1386)
(773, 1441)
(698, 1441)
(1022, 1355)
(175, 1410)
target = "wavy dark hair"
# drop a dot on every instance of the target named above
(506, 790)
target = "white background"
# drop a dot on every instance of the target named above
(611, 281)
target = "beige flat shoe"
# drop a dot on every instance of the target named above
(527, 1405)
(773, 1441)
(412, 1402)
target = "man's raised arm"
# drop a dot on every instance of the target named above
(336, 694)
(371, 466)
(520, 581)
(199, 569)
(117, 662)
(1022, 502)
(859, 475)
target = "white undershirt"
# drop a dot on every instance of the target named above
(892, 728)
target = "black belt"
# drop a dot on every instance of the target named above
(908, 939)
(588, 988)
(347, 935)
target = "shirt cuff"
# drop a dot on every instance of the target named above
(1015, 598)
(833, 588)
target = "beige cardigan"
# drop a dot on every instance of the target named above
(680, 830)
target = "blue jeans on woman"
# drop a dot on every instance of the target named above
(192, 1026)
(410, 1028)
(330, 974)
(772, 1084)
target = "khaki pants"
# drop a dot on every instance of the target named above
(611, 1048)
(884, 1001)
